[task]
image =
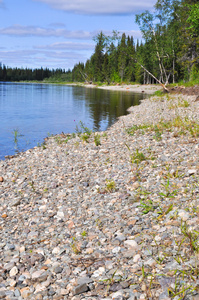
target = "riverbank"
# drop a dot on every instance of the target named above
(135, 88)
(112, 215)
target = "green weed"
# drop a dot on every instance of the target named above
(81, 128)
(97, 139)
(16, 137)
(137, 157)
(147, 206)
(75, 247)
(134, 128)
(84, 233)
(159, 93)
(60, 140)
(192, 237)
(43, 145)
(158, 133)
(169, 193)
(31, 183)
(110, 185)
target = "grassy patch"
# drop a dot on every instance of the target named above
(183, 125)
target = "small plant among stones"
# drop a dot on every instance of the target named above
(83, 132)
(82, 129)
(158, 134)
(180, 290)
(31, 183)
(169, 193)
(165, 212)
(59, 140)
(137, 157)
(43, 145)
(97, 139)
(147, 206)
(84, 233)
(85, 137)
(183, 103)
(134, 128)
(75, 247)
(192, 236)
(110, 185)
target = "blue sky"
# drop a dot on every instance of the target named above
(59, 33)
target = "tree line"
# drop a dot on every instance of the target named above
(168, 52)
(28, 74)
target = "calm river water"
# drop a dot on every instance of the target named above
(33, 111)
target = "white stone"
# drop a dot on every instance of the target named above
(131, 244)
(117, 295)
(192, 171)
(98, 272)
(116, 250)
(60, 214)
(43, 208)
(183, 215)
(136, 258)
(37, 274)
(39, 288)
(56, 250)
(157, 238)
(150, 262)
(13, 271)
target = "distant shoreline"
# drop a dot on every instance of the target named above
(136, 88)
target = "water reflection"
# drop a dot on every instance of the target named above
(105, 106)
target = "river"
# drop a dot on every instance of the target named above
(29, 112)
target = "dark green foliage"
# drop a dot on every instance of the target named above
(170, 51)
(21, 74)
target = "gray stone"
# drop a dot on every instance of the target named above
(2, 294)
(81, 288)
(84, 280)
(58, 270)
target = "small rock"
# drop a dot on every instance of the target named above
(117, 296)
(115, 287)
(183, 215)
(13, 271)
(25, 292)
(39, 276)
(1, 179)
(81, 288)
(131, 244)
(4, 215)
(16, 202)
(84, 280)
(192, 172)
(116, 250)
(2, 294)
(58, 270)
(136, 258)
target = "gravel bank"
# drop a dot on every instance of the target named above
(135, 88)
(113, 221)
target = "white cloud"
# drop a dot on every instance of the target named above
(37, 59)
(29, 31)
(67, 46)
(18, 30)
(101, 6)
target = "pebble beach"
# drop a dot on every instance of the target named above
(106, 216)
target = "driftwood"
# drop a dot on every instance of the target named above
(163, 85)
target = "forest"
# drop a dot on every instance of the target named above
(167, 53)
